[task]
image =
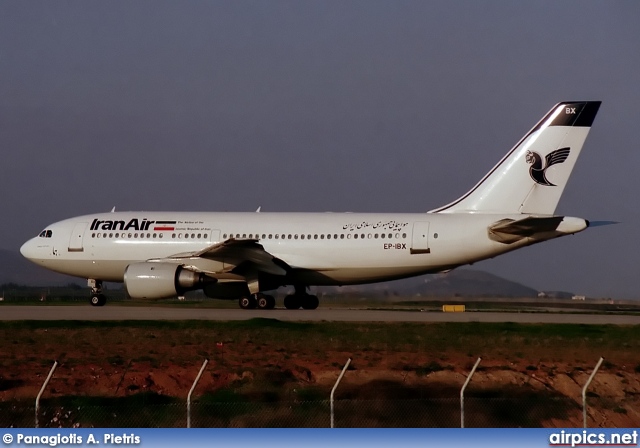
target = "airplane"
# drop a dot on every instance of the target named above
(240, 256)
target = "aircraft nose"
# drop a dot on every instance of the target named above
(28, 250)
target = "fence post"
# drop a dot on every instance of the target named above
(55, 364)
(344, 369)
(204, 364)
(584, 393)
(464, 386)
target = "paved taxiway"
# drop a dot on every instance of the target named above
(12, 313)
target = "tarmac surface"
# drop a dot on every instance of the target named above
(116, 313)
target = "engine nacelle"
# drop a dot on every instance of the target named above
(158, 280)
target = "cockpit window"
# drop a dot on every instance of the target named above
(45, 234)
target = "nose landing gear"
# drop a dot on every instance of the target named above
(97, 298)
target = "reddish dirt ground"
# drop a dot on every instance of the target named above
(619, 386)
(389, 362)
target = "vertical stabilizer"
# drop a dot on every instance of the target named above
(531, 178)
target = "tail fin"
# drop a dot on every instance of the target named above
(531, 178)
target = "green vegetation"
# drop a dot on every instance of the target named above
(472, 338)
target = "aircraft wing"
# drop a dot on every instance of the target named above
(235, 252)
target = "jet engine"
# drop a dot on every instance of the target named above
(158, 280)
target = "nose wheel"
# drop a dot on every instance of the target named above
(98, 300)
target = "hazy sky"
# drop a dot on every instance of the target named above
(357, 106)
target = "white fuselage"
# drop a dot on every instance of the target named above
(322, 248)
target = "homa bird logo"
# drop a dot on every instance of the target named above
(537, 172)
(133, 224)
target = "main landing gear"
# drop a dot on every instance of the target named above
(304, 301)
(260, 301)
(300, 299)
(97, 298)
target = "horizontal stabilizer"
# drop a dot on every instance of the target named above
(602, 223)
(509, 231)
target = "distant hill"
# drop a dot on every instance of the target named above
(472, 283)
(15, 269)
(457, 283)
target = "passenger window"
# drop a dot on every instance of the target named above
(161, 235)
(342, 236)
(205, 236)
(155, 235)
(404, 235)
(277, 236)
(329, 236)
(355, 236)
(382, 235)
(199, 235)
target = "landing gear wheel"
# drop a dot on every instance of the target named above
(265, 302)
(247, 303)
(272, 302)
(292, 302)
(98, 300)
(310, 302)
(262, 301)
